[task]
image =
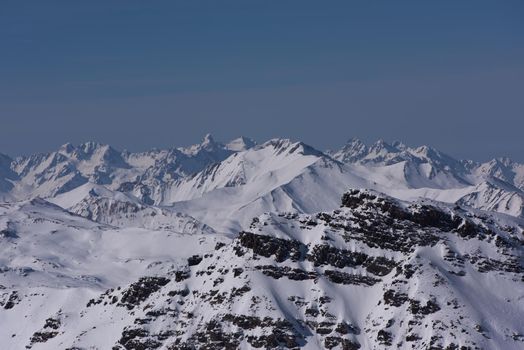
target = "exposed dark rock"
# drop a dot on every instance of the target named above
(42, 337)
(386, 225)
(345, 344)
(412, 337)
(484, 264)
(194, 260)
(276, 339)
(267, 246)
(9, 232)
(210, 337)
(238, 292)
(313, 312)
(384, 337)
(394, 298)
(219, 245)
(328, 255)
(416, 308)
(138, 339)
(285, 271)
(181, 275)
(357, 198)
(182, 292)
(346, 278)
(14, 299)
(52, 323)
(50, 330)
(141, 290)
(379, 266)
(346, 328)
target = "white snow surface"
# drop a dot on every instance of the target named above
(87, 222)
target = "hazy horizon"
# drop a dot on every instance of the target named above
(142, 75)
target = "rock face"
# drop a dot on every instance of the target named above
(374, 274)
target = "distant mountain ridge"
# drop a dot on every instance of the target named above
(166, 177)
(53, 173)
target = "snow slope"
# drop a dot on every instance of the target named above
(373, 274)
(51, 174)
(239, 245)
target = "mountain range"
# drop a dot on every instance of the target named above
(272, 245)
(241, 168)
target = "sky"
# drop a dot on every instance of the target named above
(144, 74)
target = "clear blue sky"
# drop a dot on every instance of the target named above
(142, 74)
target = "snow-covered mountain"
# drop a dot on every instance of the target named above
(272, 245)
(168, 177)
(373, 274)
(50, 174)
(422, 167)
(504, 169)
(121, 210)
(494, 185)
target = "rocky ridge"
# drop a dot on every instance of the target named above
(375, 273)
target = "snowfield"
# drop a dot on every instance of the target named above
(259, 246)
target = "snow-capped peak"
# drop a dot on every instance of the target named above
(381, 149)
(240, 144)
(399, 145)
(208, 141)
(67, 148)
(208, 144)
(353, 151)
(168, 176)
(90, 147)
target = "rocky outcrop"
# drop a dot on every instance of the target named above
(375, 273)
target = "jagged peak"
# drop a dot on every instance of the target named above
(278, 142)
(67, 148)
(241, 143)
(427, 151)
(381, 145)
(399, 145)
(89, 146)
(283, 145)
(502, 161)
(354, 144)
(353, 151)
(435, 156)
(208, 144)
(208, 140)
(89, 149)
(354, 140)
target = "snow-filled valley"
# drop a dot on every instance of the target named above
(273, 245)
